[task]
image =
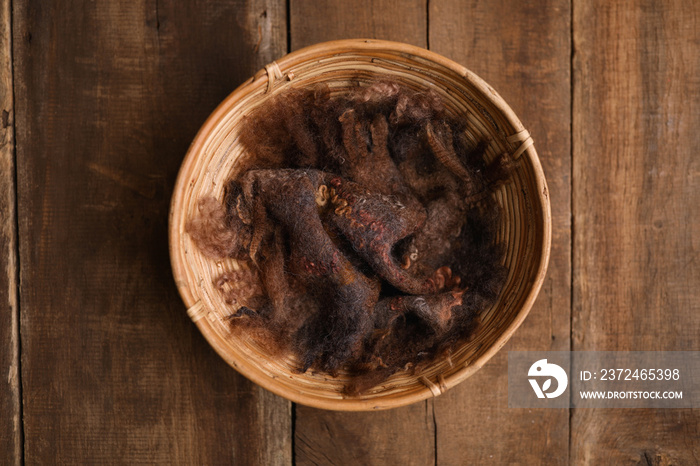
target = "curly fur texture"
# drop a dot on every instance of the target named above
(359, 222)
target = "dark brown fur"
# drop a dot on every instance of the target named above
(358, 219)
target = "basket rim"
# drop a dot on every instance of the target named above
(260, 79)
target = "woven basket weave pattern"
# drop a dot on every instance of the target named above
(216, 155)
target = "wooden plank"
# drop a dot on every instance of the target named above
(402, 21)
(404, 435)
(525, 55)
(635, 201)
(109, 95)
(10, 404)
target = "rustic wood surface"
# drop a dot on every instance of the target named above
(99, 101)
(529, 66)
(108, 97)
(10, 411)
(636, 191)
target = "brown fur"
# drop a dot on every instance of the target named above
(358, 220)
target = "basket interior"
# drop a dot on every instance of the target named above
(216, 155)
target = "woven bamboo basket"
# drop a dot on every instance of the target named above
(216, 154)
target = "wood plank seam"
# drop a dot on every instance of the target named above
(571, 206)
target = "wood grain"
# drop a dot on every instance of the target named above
(10, 404)
(404, 435)
(397, 20)
(636, 178)
(108, 97)
(526, 58)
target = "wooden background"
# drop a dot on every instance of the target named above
(99, 101)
